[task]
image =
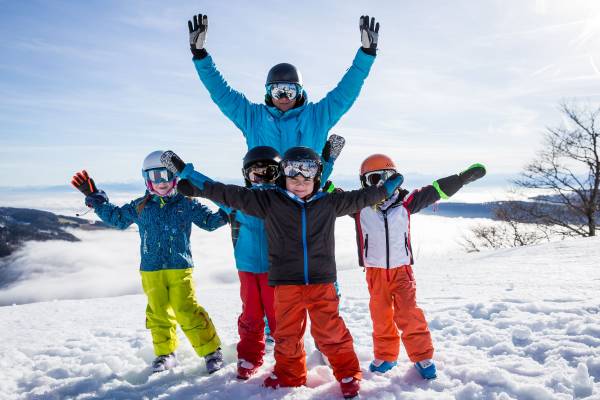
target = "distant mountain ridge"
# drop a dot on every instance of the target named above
(18, 225)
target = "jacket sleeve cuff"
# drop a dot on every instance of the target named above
(187, 171)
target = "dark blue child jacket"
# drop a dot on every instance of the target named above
(165, 226)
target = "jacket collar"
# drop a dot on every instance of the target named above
(298, 200)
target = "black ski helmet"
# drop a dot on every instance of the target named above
(266, 154)
(300, 153)
(284, 73)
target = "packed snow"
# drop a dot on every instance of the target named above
(512, 324)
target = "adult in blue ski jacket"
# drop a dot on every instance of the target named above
(287, 118)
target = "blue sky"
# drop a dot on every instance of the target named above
(99, 84)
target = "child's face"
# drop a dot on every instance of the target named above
(163, 188)
(300, 186)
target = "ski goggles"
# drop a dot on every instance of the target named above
(158, 175)
(309, 169)
(279, 90)
(262, 173)
(373, 178)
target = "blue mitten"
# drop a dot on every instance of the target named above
(392, 183)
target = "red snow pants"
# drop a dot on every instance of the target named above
(393, 307)
(320, 301)
(257, 300)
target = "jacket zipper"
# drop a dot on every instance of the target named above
(304, 245)
(387, 241)
(406, 243)
(366, 245)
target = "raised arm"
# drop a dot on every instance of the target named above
(117, 217)
(232, 103)
(338, 101)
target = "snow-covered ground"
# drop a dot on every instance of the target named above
(513, 324)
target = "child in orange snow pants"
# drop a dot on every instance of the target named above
(393, 307)
(320, 301)
(384, 248)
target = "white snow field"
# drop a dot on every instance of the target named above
(513, 324)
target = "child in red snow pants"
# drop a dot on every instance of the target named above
(257, 301)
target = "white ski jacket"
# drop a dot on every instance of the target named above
(383, 232)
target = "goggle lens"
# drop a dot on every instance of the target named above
(279, 90)
(262, 173)
(159, 175)
(373, 178)
(307, 168)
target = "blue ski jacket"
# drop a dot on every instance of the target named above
(165, 226)
(306, 125)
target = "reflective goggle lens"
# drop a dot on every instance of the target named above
(279, 90)
(259, 173)
(307, 168)
(374, 177)
(159, 175)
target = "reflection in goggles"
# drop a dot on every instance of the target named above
(374, 177)
(159, 175)
(306, 168)
(279, 90)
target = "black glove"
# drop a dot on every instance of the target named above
(471, 174)
(198, 28)
(82, 182)
(333, 147)
(95, 199)
(172, 162)
(369, 34)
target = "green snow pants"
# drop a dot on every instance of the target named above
(172, 300)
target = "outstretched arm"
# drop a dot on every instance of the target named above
(206, 219)
(442, 188)
(252, 202)
(233, 104)
(355, 200)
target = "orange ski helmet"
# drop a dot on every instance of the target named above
(375, 162)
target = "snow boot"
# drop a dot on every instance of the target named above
(350, 387)
(214, 361)
(246, 369)
(382, 366)
(164, 362)
(274, 382)
(426, 369)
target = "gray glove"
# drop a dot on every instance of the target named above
(369, 34)
(333, 147)
(198, 28)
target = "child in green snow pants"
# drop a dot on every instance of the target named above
(172, 300)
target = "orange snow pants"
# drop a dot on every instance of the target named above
(393, 307)
(292, 302)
